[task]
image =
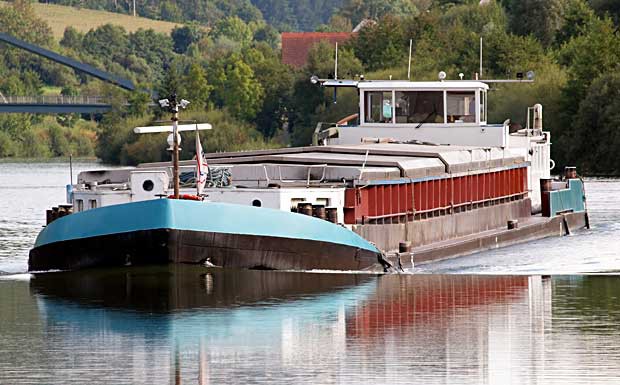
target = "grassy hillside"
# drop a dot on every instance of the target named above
(59, 17)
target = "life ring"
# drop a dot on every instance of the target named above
(187, 197)
(551, 164)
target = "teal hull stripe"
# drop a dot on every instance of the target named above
(197, 216)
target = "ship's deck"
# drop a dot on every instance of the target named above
(383, 161)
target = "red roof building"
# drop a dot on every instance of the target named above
(295, 45)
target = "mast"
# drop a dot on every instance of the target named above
(481, 57)
(175, 150)
(172, 105)
(409, 65)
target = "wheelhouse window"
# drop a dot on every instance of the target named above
(483, 106)
(379, 107)
(419, 107)
(461, 106)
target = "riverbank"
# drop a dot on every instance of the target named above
(58, 159)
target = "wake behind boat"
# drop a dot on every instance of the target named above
(417, 175)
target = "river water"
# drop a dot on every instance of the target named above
(466, 323)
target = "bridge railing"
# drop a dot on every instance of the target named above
(53, 99)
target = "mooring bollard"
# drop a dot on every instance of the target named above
(332, 214)
(304, 208)
(318, 211)
(546, 184)
(570, 172)
(404, 247)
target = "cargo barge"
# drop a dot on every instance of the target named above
(417, 175)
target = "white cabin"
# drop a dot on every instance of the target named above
(412, 131)
(442, 113)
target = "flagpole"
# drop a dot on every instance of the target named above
(175, 148)
(198, 162)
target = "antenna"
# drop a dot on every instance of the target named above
(71, 168)
(336, 74)
(180, 127)
(336, 63)
(480, 57)
(409, 67)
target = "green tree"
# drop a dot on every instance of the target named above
(11, 84)
(138, 103)
(337, 23)
(14, 125)
(593, 54)
(170, 11)
(234, 29)
(541, 18)
(196, 87)
(19, 20)
(173, 79)
(596, 126)
(114, 133)
(304, 15)
(242, 95)
(267, 34)
(8, 147)
(312, 103)
(607, 7)
(450, 40)
(357, 10)
(72, 38)
(155, 48)
(59, 144)
(381, 45)
(506, 54)
(35, 144)
(277, 80)
(108, 42)
(228, 134)
(578, 17)
(279, 13)
(186, 35)
(321, 61)
(587, 57)
(510, 101)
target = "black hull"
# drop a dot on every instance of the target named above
(161, 246)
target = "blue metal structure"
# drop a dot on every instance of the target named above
(570, 199)
(45, 107)
(76, 65)
(178, 214)
(36, 108)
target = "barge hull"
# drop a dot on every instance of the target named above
(165, 230)
(536, 228)
(163, 246)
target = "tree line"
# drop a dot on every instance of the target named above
(230, 68)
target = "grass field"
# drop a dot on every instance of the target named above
(59, 17)
(50, 90)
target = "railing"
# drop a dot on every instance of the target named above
(320, 134)
(53, 99)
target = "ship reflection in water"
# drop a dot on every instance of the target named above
(186, 324)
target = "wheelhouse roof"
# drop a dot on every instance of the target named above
(400, 84)
(405, 84)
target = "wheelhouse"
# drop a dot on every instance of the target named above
(399, 103)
